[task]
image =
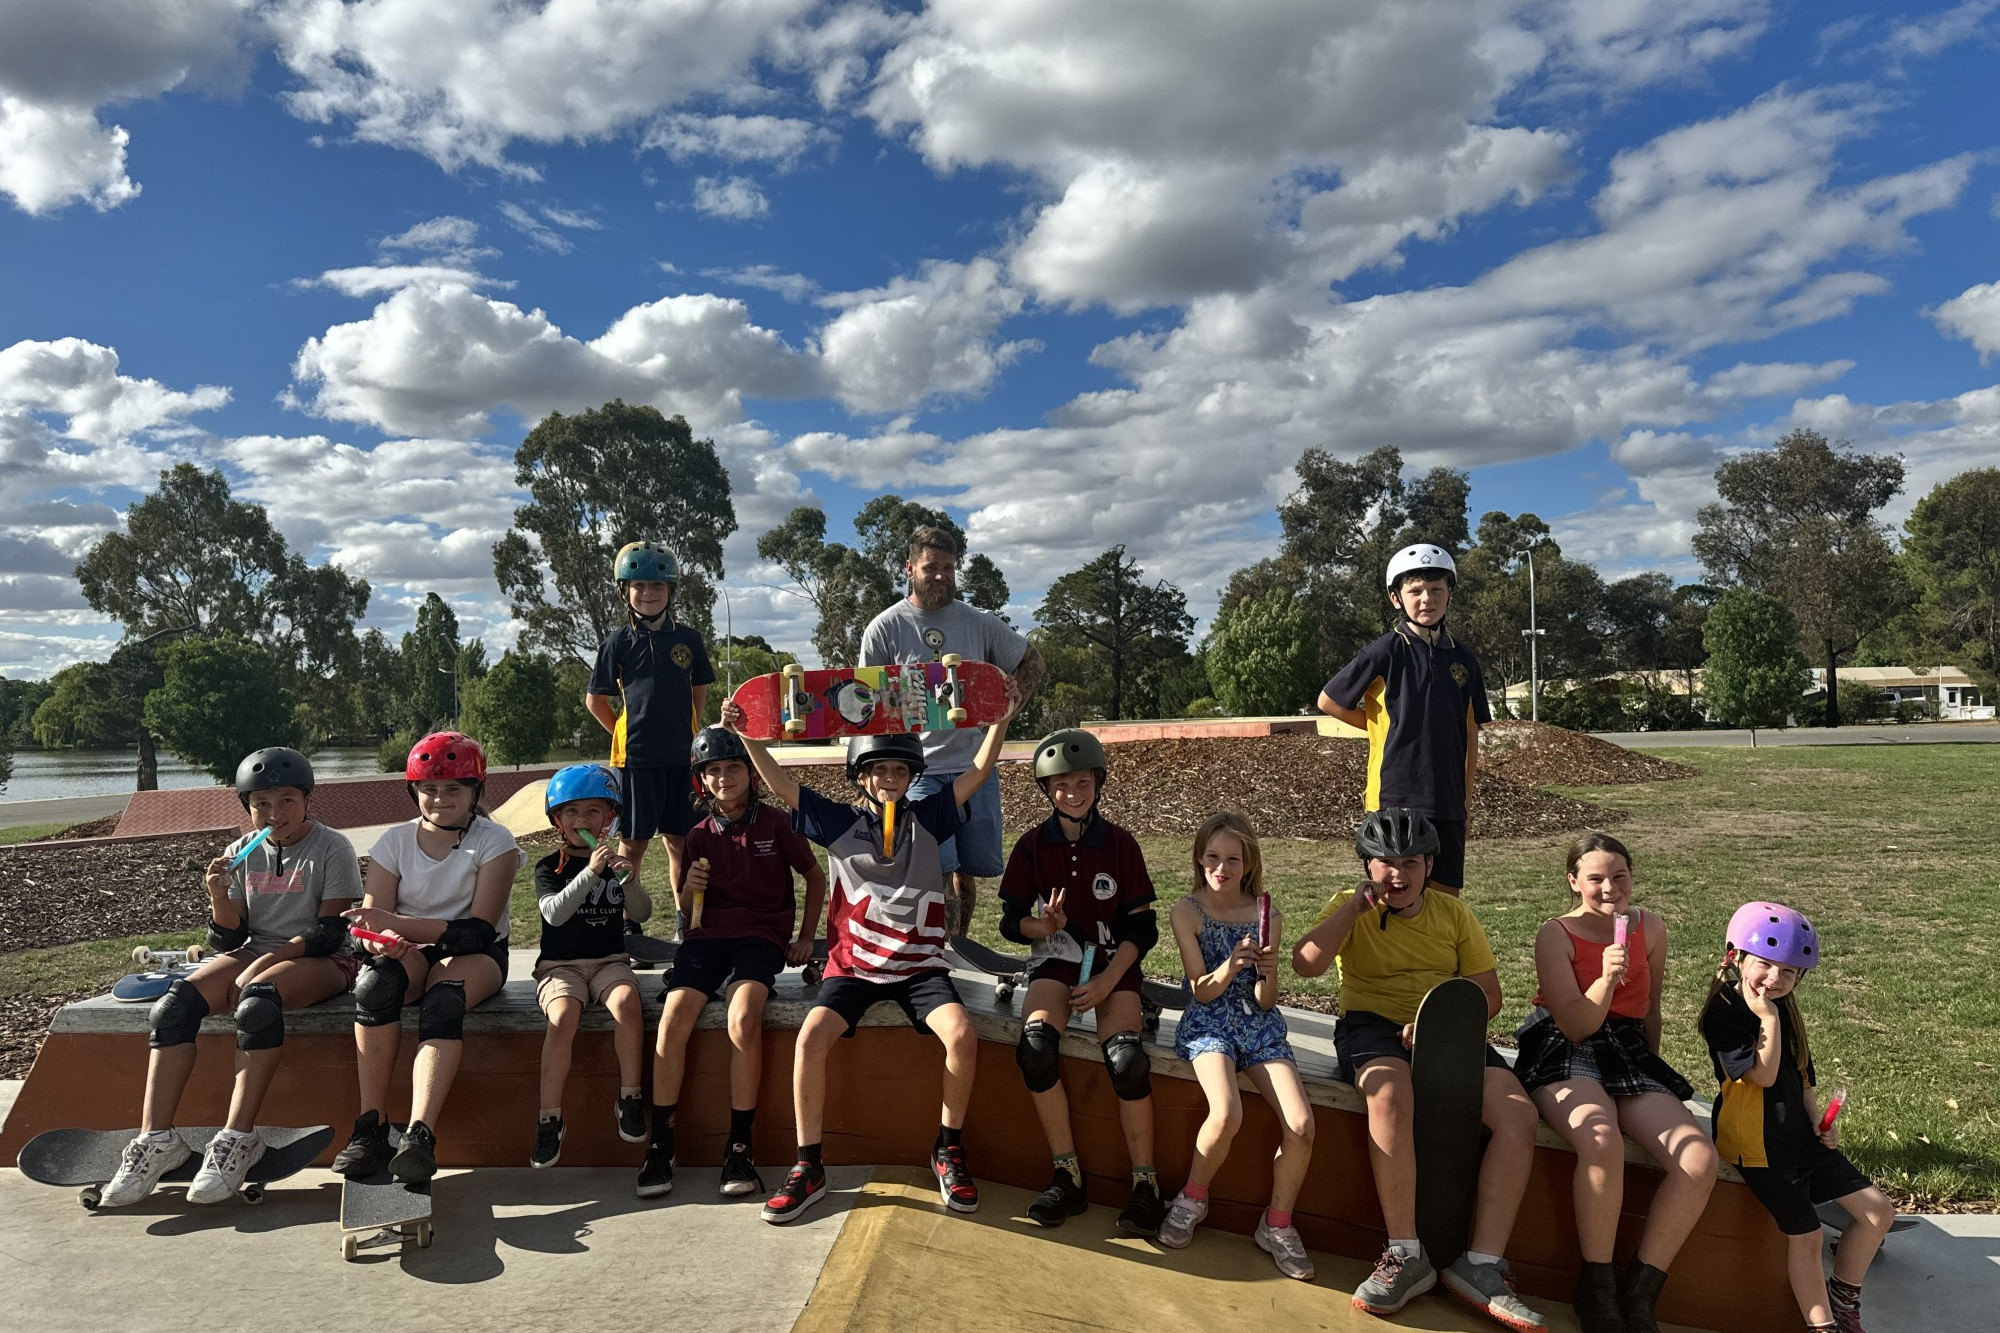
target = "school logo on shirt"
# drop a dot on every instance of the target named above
(684, 657)
(1460, 674)
(1104, 888)
(934, 640)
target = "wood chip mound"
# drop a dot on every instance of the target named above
(1288, 786)
(91, 828)
(1538, 755)
(65, 895)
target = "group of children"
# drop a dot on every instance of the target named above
(431, 927)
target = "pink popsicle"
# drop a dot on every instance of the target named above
(1832, 1112)
(1620, 925)
(1263, 921)
(373, 936)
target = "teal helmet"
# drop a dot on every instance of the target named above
(646, 562)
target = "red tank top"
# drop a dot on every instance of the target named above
(1634, 996)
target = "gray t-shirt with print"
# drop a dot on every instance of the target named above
(282, 888)
(908, 633)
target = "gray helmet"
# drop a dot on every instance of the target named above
(1071, 750)
(712, 745)
(273, 766)
(1395, 833)
(865, 750)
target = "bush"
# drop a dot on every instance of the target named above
(1755, 675)
(1912, 710)
(392, 754)
(1202, 707)
(1585, 708)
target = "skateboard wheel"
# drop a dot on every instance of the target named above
(195, 953)
(350, 1247)
(955, 716)
(90, 1196)
(794, 730)
(793, 671)
(1003, 991)
(950, 660)
(142, 955)
(253, 1194)
(423, 1235)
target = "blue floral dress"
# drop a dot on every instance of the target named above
(1231, 1023)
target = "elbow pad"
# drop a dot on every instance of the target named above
(325, 936)
(466, 934)
(1012, 914)
(1139, 929)
(222, 941)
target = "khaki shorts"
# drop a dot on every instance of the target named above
(588, 980)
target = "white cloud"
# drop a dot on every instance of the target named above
(451, 238)
(368, 279)
(51, 157)
(736, 197)
(1934, 32)
(1628, 44)
(794, 287)
(543, 235)
(1974, 315)
(778, 140)
(1748, 380)
(892, 347)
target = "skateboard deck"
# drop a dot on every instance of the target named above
(89, 1157)
(1010, 973)
(1448, 1080)
(1837, 1220)
(164, 967)
(380, 1210)
(796, 704)
(648, 953)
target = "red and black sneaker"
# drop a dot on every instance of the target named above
(955, 1183)
(801, 1190)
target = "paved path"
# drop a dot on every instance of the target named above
(1935, 733)
(62, 810)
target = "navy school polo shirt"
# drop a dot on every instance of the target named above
(654, 672)
(1103, 877)
(1421, 701)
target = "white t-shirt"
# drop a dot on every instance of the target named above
(443, 890)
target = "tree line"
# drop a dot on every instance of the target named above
(232, 641)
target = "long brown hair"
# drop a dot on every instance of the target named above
(1228, 821)
(1729, 977)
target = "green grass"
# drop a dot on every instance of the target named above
(28, 832)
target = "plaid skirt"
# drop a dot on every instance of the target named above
(1616, 1055)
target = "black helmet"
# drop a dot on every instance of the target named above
(1071, 750)
(865, 750)
(1393, 834)
(273, 766)
(712, 745)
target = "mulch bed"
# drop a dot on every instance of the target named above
(65, 895)
(1536, 755)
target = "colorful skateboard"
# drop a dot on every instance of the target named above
(1448, 1080)
(796, 704)
(164, 967)
(1011, 973)
(89, 1157)
(380, 1210)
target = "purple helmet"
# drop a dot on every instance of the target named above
(1775, 932)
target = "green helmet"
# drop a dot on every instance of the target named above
(1070, 750)
(646, 562)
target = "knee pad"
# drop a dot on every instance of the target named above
(441, 1017)
(378, 994)
(260, 1018)
(1131, 1068)
(1039, 1053)
(176, 1016)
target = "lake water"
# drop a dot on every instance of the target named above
(47, 774)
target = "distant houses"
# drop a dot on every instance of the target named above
(1943, 693)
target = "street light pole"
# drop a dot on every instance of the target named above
(1533, 634)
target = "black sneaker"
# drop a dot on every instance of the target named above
(548, 1142)
(1144, 1211)
(739, 1173)
(1061, 1201)
(656, 1173)
(801, 1190)
(632, 1119)
(367, 1150)
(955, 1184)
(417, 1162)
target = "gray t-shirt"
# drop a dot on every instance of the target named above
(282, 888)
(908, 633)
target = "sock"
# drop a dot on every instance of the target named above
(1194, 1193)
(1067, 1162)
(159, 1136)
(809, 1153)
(739, 1125)
(949, 1137)
(1276, 1220)
(1146, 1175)
(549, 1113)
(624, 1092)
(1845, 1295)
(1412, 1249)
(1477, 1259)
(663, 1126)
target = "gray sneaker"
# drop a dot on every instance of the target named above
(1489, 1289)
(1182, 1218)
(1397, 1280)
(145, 1159)
(1285, 1248)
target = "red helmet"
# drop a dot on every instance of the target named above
(446, 756)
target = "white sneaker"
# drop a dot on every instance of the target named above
(146, 1159)
(1285, 1248)
(230, 1157)
(1182, 1218)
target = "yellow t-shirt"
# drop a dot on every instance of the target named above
(1388, 970)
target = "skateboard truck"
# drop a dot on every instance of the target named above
(796, 705)
(948, 693)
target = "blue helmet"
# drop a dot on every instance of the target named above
(582, 782)
(646, 562)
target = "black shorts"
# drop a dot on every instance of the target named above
(1448, 869)
(708, 965)
(497, 951)
(1361, 1036)
(1792, 1194)
(657, 800)
(918, 996)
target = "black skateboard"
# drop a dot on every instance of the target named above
(1011, 973)
(163, 968)
(648, 953)
(89, 1157)
(380, 1210)
(1448, 1080)
(1837, 1220)
(813, 970)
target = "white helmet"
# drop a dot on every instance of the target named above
(1423, 556)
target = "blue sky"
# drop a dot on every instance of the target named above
(1080, 274)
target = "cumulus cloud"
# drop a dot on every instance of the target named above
(1974, 315)
(734, 197)
(892, 347)
(51, 157)
(778, 140)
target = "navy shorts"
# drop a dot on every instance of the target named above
(1360, 1037)
(1794, 1193)
(657, 800)
(975, 849)
(918, 996)
(1449, 867)
(708, 965)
